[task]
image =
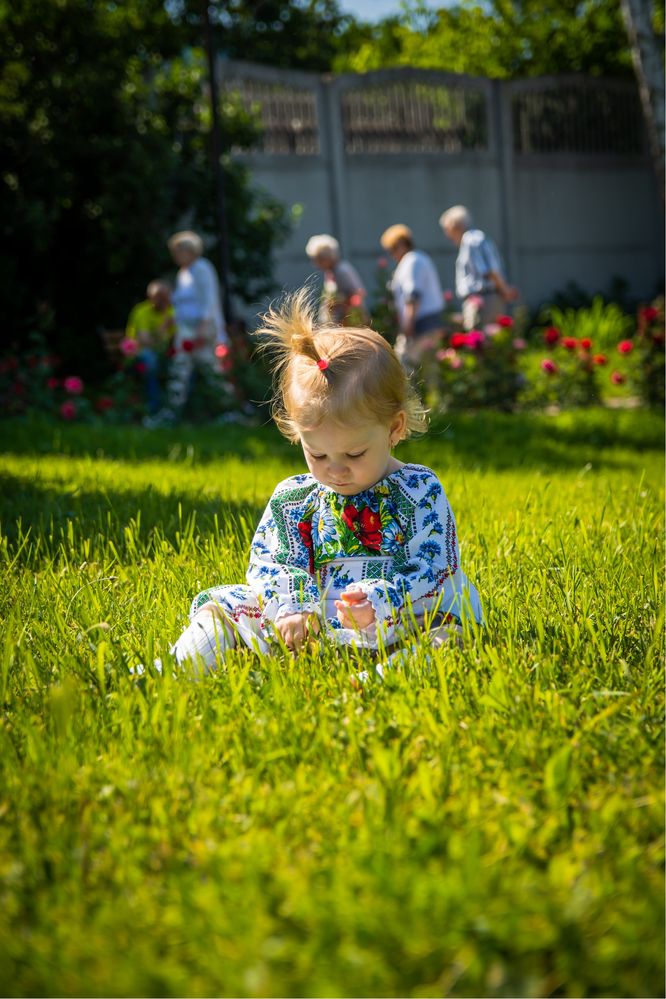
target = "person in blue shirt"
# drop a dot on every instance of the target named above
(480, 281)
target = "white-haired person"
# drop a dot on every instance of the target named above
(418, 296)
(200, 325)
(343, 296)
(480, 281)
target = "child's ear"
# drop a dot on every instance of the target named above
(398, 426)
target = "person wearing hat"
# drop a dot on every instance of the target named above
(417, 294)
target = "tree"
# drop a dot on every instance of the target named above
(500, 39)
(647, 55)
(104, 145)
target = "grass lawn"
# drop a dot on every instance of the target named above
(490, 824)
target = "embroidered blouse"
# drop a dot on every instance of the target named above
(397, 540)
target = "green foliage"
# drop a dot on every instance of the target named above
(489, 823)
(501, 39)
(104, 144)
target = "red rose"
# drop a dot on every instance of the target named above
(551, 335)
(617, 378)
(188, 346)
(625, 346)
(506, 321)
(68, 410)
(569, 342)
(649, 313)
(458, 340)
(600, 359)
(586, 343)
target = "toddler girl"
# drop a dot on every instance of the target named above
(362, 549)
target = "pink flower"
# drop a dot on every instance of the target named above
(475, 339)
(505, 321)
(548, 366)
(551, 335)
(519, 343)
(382, 262)
(73, 385)
(569, 342)
(492, 329)
(451, 357)
(68, 410)
(617, 378)
(625, 347)
(441, 355)
(356, 301)
(221, 350)
(128, 346)
(448, 295)
(476, 301)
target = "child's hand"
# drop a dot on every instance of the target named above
(296, 629)
(354, 608)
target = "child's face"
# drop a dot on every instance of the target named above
(351, 458)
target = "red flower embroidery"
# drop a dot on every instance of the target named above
(365, 524)
(305, 531)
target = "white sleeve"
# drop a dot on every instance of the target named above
(280, 571)
(429, 571)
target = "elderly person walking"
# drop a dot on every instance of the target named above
(200, 325)
(343, 295)
(418, 296)
(480, 282)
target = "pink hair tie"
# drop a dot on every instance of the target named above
(322, 363)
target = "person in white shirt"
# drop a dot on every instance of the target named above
(417, 294)
(200, 325)
(480, 281)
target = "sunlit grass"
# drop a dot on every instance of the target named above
(488, 823)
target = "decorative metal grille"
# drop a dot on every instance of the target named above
(286, 115)
(413, 117)
(593, 119)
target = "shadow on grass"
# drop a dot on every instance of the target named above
(485, 440)
(50, 513)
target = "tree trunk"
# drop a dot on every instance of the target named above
(646, 54)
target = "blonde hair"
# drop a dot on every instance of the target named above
(186, 240)
(395, 234)
(359, 377)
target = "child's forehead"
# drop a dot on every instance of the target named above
(346, 434)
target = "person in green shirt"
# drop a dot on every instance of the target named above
(152, 324)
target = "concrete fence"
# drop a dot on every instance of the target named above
(555, 169)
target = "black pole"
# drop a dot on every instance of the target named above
(218, 172)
